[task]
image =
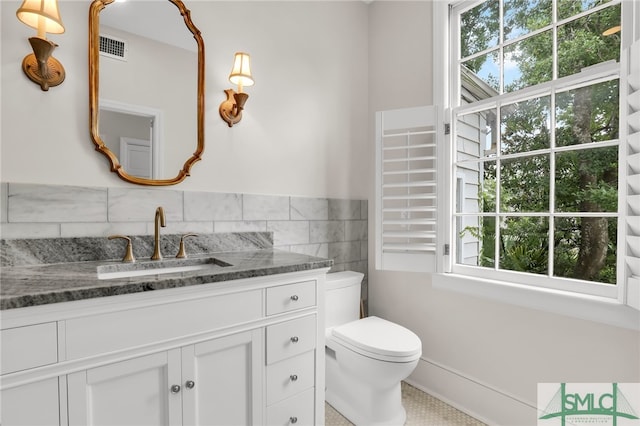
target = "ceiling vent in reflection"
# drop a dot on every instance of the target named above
(113, 47)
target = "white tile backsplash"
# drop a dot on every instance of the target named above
(364, 209)
(12, 231)
(240, 226)
(344, 209)
(355, 230)
(212, 206)
(325, 231)
(343, 252)
(320, 250)
(54, 203)
(323, 227)
(287, 232)
(265, 207)
(99, 229)
(182, 228)
(309, 208)
(4, 193)
(134, 205)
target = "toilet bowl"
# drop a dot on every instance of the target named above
(365, 358)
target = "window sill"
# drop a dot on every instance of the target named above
(591, 308)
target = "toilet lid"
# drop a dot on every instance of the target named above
(377, 337)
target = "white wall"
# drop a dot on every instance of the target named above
(484, 356)
(306, 115)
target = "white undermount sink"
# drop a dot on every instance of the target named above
(126, 270)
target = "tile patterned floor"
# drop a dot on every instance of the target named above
(422, 410)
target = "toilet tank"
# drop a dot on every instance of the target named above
(342, 297)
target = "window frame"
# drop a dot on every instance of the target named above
(600, 73)
(611, 309)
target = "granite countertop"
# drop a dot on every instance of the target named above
(32, 285)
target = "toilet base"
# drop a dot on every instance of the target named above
(358, 419)
(361, 404)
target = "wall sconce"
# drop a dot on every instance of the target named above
(40, 66)
(231, 109)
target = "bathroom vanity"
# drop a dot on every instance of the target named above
(240, 344)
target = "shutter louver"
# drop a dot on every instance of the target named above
(631, 92)
(406, 191)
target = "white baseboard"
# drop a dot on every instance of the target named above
(471, 396)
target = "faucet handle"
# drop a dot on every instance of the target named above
(128, 257)
(182, 253)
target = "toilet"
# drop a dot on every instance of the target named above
(365, 358)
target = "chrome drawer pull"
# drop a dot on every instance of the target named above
(294, 339)
(293, 419)
(293, 377)
(190, 384)
(175, 388)
(294, 297)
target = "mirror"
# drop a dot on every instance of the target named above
(146, 89)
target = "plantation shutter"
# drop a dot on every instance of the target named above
(631, 106)
(406, 189)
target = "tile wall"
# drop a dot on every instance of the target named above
(324, 227)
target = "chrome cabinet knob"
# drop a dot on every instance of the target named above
(293, 419)
(294, 339)
(293, 377)
(294, 297)
(175, 388)
(190, 384)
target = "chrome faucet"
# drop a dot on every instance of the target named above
(159, 221)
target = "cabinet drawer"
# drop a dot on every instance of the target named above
(28, 347)
(290, 376)
(297, 410)
(290, 297)
(290, 338)
(108, 332)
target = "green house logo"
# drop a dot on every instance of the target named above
(585, 403)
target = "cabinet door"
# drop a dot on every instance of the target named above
(227, 380)
(132, 392)
(32, 404)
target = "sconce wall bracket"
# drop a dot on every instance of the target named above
(40, 66)
(231, 108)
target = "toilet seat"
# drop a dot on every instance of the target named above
(379, 339)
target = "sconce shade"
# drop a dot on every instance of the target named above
(231, 109)
(42, 15)
(241, 71)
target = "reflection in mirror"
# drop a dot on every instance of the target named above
(147, 82)
(132, 132)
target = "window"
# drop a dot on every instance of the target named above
(535, 127)
(534, 193)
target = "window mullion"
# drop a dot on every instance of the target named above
(597, 74)
(552, 175)
(554, 48)
(501, 44)
(496, 263)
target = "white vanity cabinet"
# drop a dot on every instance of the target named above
(22, 350)
(32, 404)
(215, 382)
(134, 391)
(242, 352)
(291, 356)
